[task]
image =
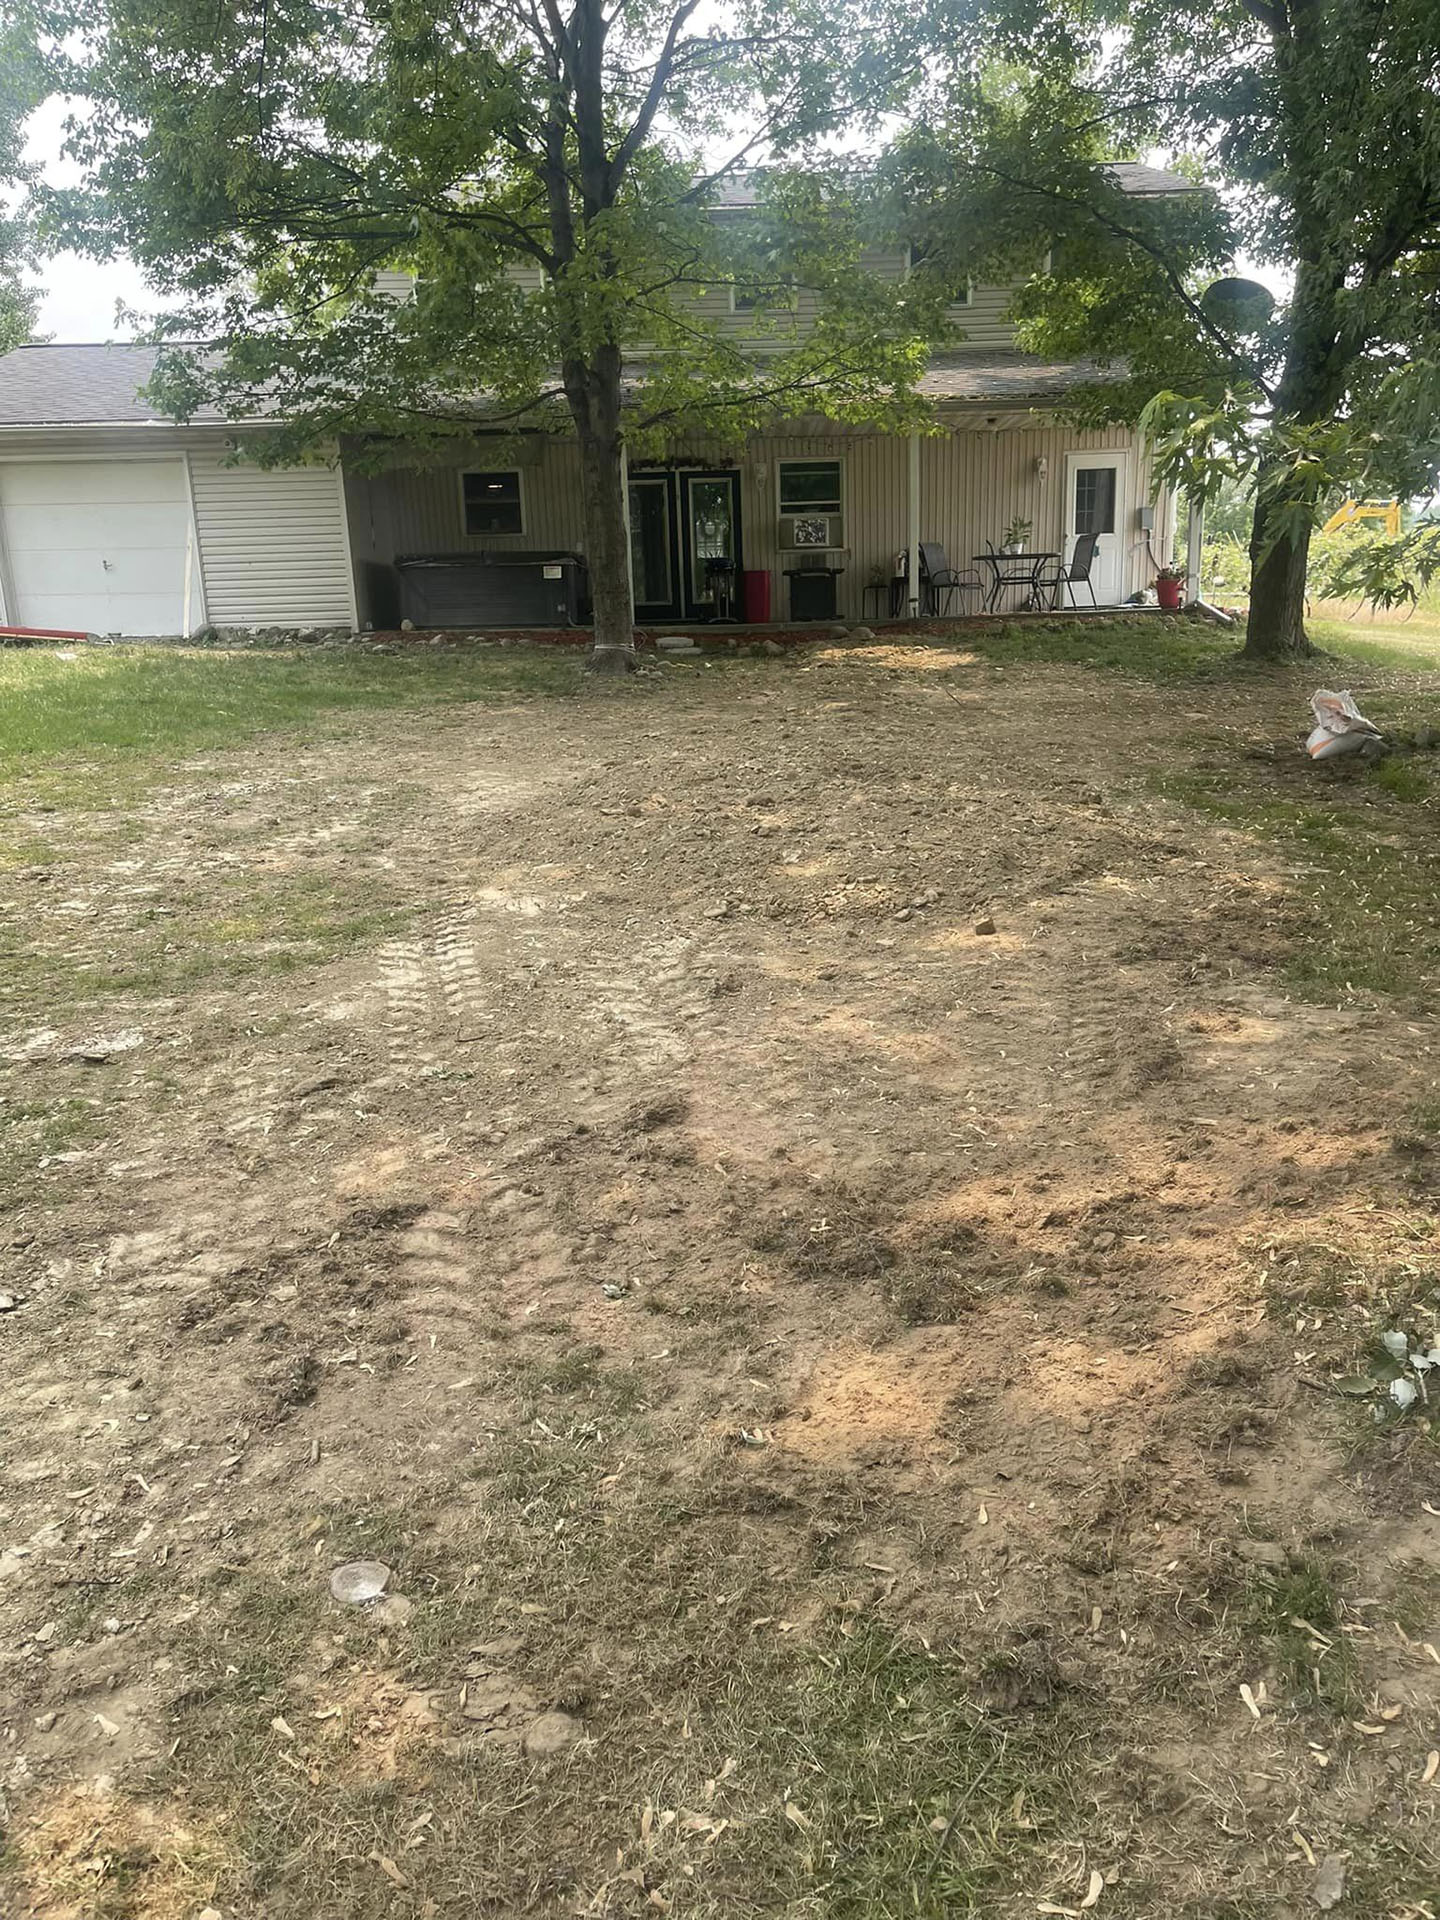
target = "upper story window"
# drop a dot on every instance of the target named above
(916, 255)
(754, 298)
(810, 486)
(492, 503)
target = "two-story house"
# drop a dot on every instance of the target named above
(116, 520)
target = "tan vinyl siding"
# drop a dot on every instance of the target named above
(272, 544)
(974, 478)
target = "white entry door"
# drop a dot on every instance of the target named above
(96, 545)
(1098, 501)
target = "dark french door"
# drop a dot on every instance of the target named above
(685, 543)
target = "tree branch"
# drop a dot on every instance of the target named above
(654, 95)
(1238, 359)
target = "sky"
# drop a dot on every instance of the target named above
(78, 296)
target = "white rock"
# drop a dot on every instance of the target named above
(360, 1581)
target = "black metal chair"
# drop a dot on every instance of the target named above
(1077, 574)
(937, 576)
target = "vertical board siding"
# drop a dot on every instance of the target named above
(419, 510)
(272, 544)
(973, 481)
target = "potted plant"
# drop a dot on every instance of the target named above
(1170, 588)
(1015, 535)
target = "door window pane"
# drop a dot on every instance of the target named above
(650, 541)
(492, 502)
(809, 486)
(712, 531)
(1095, 500)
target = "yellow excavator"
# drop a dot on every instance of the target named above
(1385, 510)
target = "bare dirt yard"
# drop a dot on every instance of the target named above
(830, 1221)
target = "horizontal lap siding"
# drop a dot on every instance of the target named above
(272, 544)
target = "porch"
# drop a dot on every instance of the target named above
(811, 523)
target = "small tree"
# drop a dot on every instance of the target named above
(1316, 125)
(535, 166)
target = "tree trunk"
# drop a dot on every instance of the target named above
(593, 390)
(613, 647)
(1275, 629)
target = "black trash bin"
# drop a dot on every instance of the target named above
(493, 589)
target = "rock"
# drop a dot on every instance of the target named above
(94, 1053)
(392, 1610)
(1103, 1242)
(862, 633)
(550, 1735)
(759, 800)
(1427, 739)
(905, 913)
(675, 643)
(1328, 1887)
(45, 1721)
(773, 649)
(407, 626)
(987, 925)
(1262, 1553)
(359, 1582)
(722, 912)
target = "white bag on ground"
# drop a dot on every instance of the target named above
(1340, 727)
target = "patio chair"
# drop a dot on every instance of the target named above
(1077, 574)
(937, 576)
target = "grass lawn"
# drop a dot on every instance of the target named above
(828, 1221)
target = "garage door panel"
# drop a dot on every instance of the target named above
(98, 545)
(42, 529)
(78, 613)
(94, 483)
(122, 570)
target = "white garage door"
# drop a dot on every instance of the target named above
(97, 545)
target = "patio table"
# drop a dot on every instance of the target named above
(1015, 570)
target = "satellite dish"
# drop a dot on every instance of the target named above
(1242, 306)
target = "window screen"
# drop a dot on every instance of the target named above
(492, 503)
(810, 486)
(1095, 500)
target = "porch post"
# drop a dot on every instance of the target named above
(625, 506)
(912, 536)
(1194, 539)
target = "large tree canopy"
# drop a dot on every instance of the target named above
(1317, 124)
(546, 170)
(21, 88)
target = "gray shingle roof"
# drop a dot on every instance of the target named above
(1012, 378)
(1131, 176)
(79, 386)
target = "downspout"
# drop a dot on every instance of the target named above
(912, 536)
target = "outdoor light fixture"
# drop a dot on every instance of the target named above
(1042, 467)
